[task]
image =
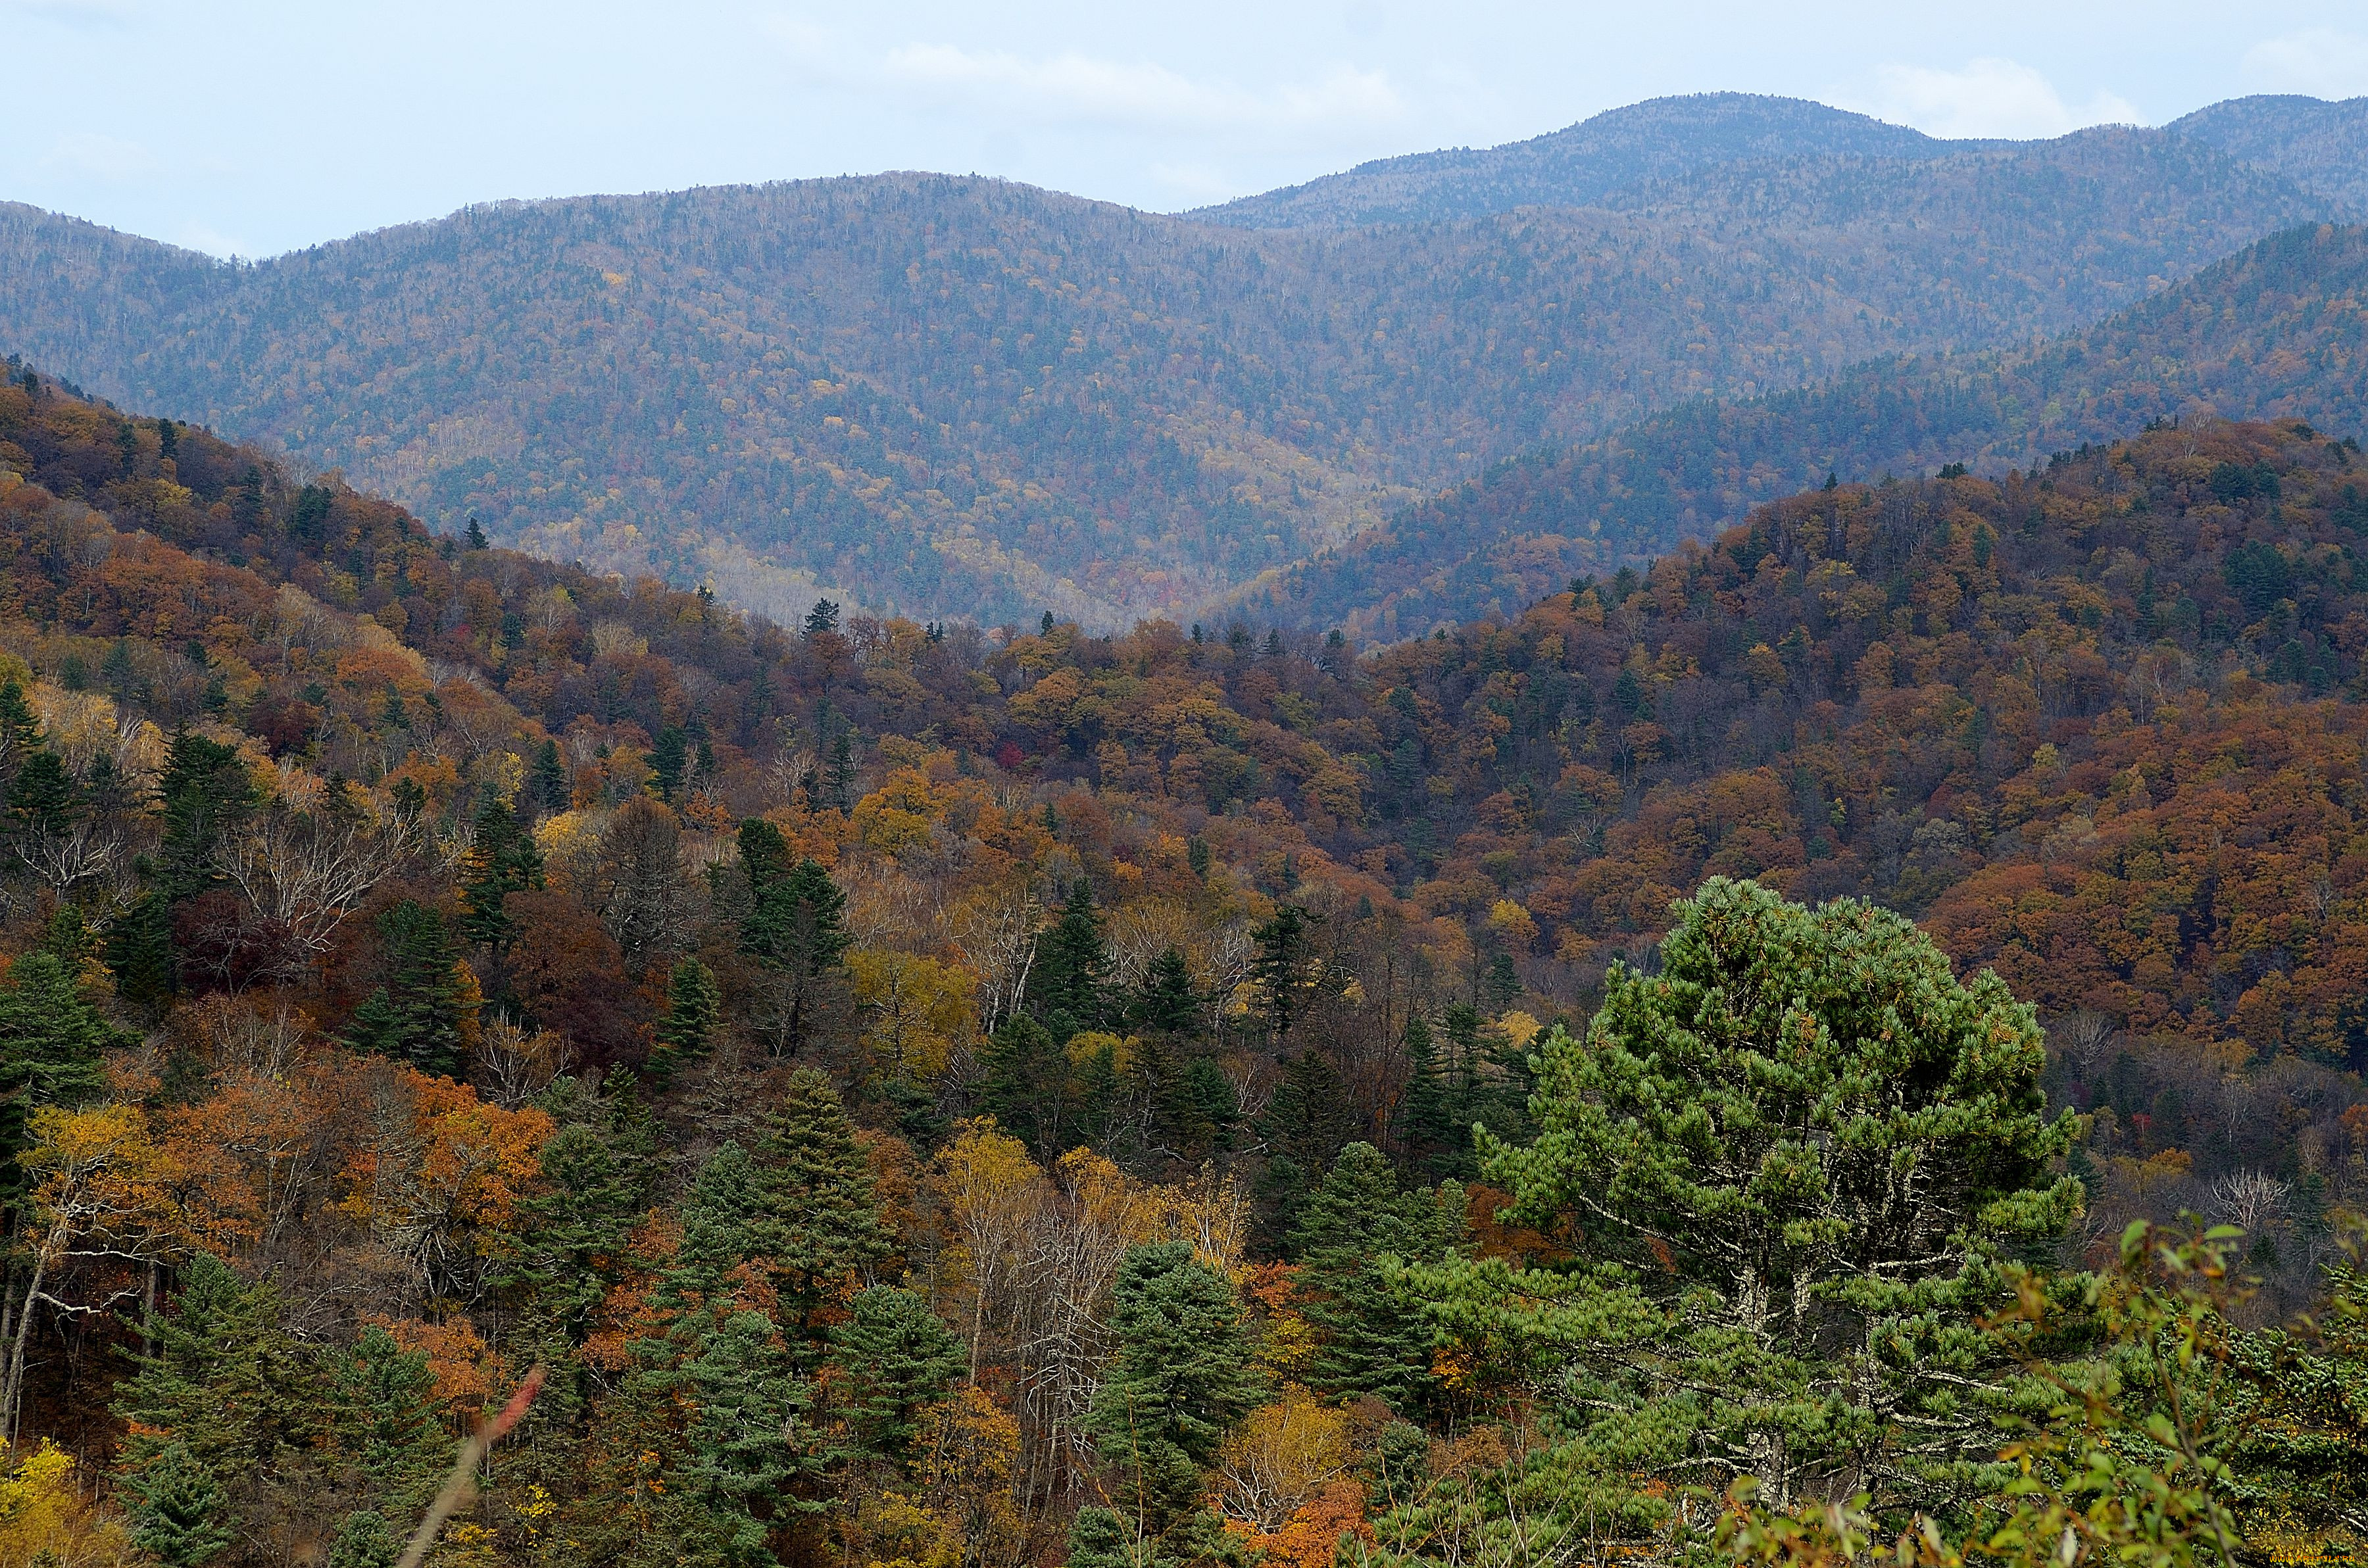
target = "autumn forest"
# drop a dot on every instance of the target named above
(1642, 851)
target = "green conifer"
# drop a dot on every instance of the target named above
(896, 1358)
(178, 1511)
(820, 1228)
(382, 1421)
(1070, 982)
(1372, 1338)
(364, 1540)
(1181, 1378)
(502, 860)
(694, 1012)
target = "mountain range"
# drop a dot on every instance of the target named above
(957, 396)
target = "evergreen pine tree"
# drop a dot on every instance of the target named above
(896, 1358)
(842, 771)
(547, 778)
(694, 1012)
(427, 1005)
(364, 1540)
(1166, 1000)
(1286, 945)
(1025, 1085)
(502, 860)
(141, 954)
(668, 758)
(1181, 1377)
(225, 1382)
(795, 925)
(1426, 1126)
(204, 792)
(476, 537)
(1070, 981)
(43, 798)
(1371, 1338)
(179, 1512)
(20, 730)
(822, 1228)
(51, 1041)
(752, 1456)
(382, 1422)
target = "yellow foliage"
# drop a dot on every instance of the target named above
(1280, 1458)
(42, 1514)
(1519, 1029)
(920, 1008)
(900, 814)
(1514, 924)
(1086, 1044)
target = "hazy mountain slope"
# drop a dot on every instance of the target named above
(1578, 167)
(2279, 331)
(963, 396)
(2319, 146)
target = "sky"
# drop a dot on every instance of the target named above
(253, 127)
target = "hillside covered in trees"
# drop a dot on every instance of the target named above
(928, 1094)
(1612, 157)
(941, 395)
(2278, 331)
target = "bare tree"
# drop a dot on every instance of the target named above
(996, 934)
(2253, 1201)
(306, 869)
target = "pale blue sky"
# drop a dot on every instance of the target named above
(256, 126)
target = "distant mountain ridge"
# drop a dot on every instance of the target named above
(2279, 331)
(1611, 158)
(1581, 165)
(952, 396)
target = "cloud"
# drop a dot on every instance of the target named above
(1988, 98)
(2319, 60)
(1074, 88)
(93, 156)
(1077, 87)
(201, 236)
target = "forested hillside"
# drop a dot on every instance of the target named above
(934, 1096)
(947, 395)
(1583, 165)
(2319, 146)
(1613, 157)
(2280, 330)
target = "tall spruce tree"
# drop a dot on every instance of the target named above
(1070, 982)
(896, 1358)
(795, 925)
(1286, 949)
(820, 1228)
(1167, 1001)
(384, 1426)
(177, 1510)
(686, 1032)
(502, 860)
(224, 1382)
(1181, 1378)
(1372, 1337)
(51, 1044)
(422, 1014)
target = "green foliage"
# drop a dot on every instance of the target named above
(1180, 1379)
(422, 1012)
(364, 1540)
(226, 1383)
(1791, 1165)
(178, 1509)
(382, 1422)
(1371, 1337)
(795, 925)
(694, 1012)
(1070, 982)
(820, 1226)
(896, 1358)
(204, 794)
(1167, 1000)
(52, 1041)
(502, 860)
